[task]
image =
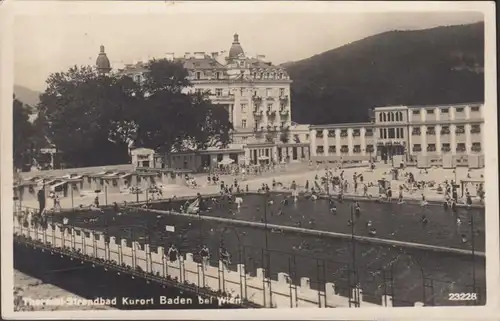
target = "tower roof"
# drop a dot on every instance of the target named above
(236, 48)
(102, 62)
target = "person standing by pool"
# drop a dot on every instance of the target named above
(205, 256)
(224, 257)
(41, 199)
(172, 254)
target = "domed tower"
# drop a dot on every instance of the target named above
(236, 49)
(102, 62)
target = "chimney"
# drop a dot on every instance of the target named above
(169, 56)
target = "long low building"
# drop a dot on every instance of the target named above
(408, 132)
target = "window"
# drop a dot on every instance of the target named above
(476, 147)
(474, 108)
(430, 111)
(280, 76)
(369, 148)
(381, 133)
(269, 91)
(416, 112)
(400, 116)
(417, 148)
(319, 134)
(217, 75)
(401, 133)
(344, 149)
(445, 130)
(282, 91)
(444, 111)
(475, 129)
(343, 133)
(384, 117)
(380, 117)
(392, 133)
(391, 116)
(431, 130)
(267, 75)
(244, 139)
(356, 133)
(320, 150)
(369, 132)
(431, 147)
(269, 107)
(198, 91)
(198, 75)
(218, 92)
(331, 133)
(445, 147)
(244, 108)
(460, 130)
(461, 147)
(243, 123)
(415, 131)
(356, 149)
(332, 149)
(460, 110)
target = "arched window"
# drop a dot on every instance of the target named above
(400, 116)
(380, 117)
(397, 116)
(392, 116)
(385, 119)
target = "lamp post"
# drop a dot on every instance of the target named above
(354, 269)
(473, 245)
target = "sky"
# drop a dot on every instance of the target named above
(46, 44)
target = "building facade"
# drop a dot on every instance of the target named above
(255, 93)
(408, 132)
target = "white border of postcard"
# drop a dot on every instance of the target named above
(8, 9)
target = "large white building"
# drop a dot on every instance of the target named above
(425, 133)
(256, 94)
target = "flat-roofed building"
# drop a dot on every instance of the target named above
(428, 133)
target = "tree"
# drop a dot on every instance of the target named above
(82, 109)
(23, 132)
(173, 118)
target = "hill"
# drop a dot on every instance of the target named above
(26, 95)
(441, 65)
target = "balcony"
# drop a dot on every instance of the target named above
(284, 112)
(459, 131)
(445, 132)
(475, 149)
(222, 98)
(460, 149)
(271, 113)
(256, 99)
(430, 132)
(257, 113)
(445, 149)
(344, 150)
(343, 134)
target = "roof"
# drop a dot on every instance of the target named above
(205, 63)
(236, 49)
(102, 62)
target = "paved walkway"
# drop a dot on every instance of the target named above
(300, 173)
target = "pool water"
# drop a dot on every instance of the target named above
(402, 222)
(378, 269)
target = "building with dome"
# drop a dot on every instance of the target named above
(256, 94)
(102, 62)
